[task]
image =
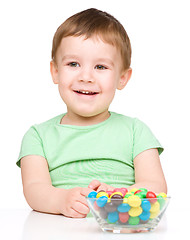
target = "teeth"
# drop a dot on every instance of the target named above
(86, 92)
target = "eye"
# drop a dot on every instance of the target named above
(100, 67)
(73, 64)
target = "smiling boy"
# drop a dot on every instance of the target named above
(88, 72)
(88, 147)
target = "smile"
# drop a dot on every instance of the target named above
(85, 92)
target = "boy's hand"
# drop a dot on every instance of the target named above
(74, 203)
(97, 186)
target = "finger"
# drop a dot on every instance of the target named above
(85, 191)
(80, 208)
(82, 199)
(94, 184)
(102, 187)
(74, 214)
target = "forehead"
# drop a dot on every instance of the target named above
(88, 46)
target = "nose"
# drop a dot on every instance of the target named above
(86, 75)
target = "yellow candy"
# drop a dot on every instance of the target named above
(135, 211)
(125, 200)
(119, 193)
(134, 201)
(155, 207)
(100, 194)
(162, 194)
(153, 214)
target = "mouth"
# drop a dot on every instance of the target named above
(85, 92)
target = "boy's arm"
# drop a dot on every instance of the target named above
(148, 174)
(43, 197)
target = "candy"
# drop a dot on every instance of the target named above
(152, 196)
(161, 201)
(92, 194)
(133, 190)
(128, 195)
(113, 217)
(125, 190)
(100, 194)
(143, 189)
(122, 207)
(123, 217)
(109, 193)
(141, 194)
(134, 220)
(145, 215)
(138, 191)
(110, 207)
(135, 211)
(121, 190)
(116, 193)
(134, 201)
(117, 198)
(162, 194)
(153, 215)
(116, 190)
(155, 207)
(101, 201)
(146, 206)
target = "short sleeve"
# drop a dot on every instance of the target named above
(144, 139)
(31, 145)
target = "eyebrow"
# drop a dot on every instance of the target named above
(69, 57)
(109, 61)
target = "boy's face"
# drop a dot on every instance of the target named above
(87, 72)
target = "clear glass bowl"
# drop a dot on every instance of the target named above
(117, 216)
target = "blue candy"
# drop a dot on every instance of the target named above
(113, 217)
(144, 216)
(101, 201)
(124, 207)
(146, 206)
(92, 194)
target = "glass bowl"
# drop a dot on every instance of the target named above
(117, 216)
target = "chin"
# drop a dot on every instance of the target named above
(88, 114)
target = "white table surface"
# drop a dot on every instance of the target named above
(26, 224)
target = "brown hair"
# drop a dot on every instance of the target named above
(93, 22)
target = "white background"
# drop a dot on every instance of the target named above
(158, 92)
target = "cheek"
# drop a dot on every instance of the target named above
(110, 84)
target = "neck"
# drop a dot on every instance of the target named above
(74, 119)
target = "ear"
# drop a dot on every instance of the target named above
(54, 72)
(124, 79)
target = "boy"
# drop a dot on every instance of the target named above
(88, 148)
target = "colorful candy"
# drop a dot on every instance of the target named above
(127, 207)
(101, 201)
(152, 196)
(123, 217)
(113, 217)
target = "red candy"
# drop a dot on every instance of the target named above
(138, 191)
(151, 195)
(124, 191)
(109, 193)
(121, 190)
(123, 217)
(116, 190)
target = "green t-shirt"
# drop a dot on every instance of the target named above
(78, 154)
